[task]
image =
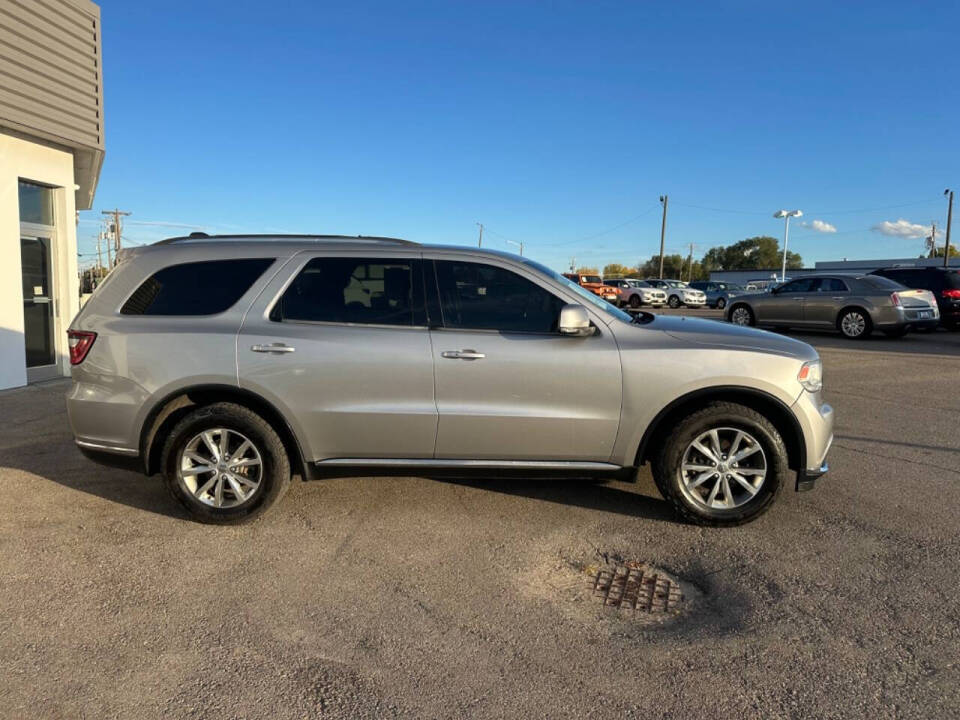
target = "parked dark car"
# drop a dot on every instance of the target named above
(944, 283)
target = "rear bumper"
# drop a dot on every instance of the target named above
(122, 458)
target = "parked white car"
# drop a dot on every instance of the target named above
(636, 293)
(679, 293)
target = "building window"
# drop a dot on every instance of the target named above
(36, 203)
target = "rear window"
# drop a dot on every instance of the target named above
(951, 279)
(199, 288)
(881, 283)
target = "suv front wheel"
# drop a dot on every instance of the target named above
(225, 464)
(722, 465)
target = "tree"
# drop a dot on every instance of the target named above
(616, 269)
(672, 264)
(753, 253)
(587, 271)
(954, 252)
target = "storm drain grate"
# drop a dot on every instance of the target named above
(635, 587)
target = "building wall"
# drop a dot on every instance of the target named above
(45, 164)
(51, 80)
(742, 277)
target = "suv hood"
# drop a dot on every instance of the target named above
(722, 334)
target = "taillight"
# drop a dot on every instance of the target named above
(80, 344)
(895, 299)
(951, 294)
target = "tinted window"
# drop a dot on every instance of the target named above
(880, 283)
(832, 285)
(199, 288)
(484, 297)
(368, 291)
(802, 285)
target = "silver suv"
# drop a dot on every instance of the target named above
(228, 364)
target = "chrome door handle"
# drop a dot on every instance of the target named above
(275, 348)
(462, 355)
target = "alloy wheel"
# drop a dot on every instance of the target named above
(740, 316)
(722, 469)
(221, 468)
(853, 324)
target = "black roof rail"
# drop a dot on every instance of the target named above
(274, 236)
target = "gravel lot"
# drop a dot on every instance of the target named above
(406, 597)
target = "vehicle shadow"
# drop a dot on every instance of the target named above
(882, 441)
(589, 493)
(941, 342)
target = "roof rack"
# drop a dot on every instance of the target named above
(273, 236)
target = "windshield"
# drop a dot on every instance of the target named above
(587, 296)
(592, 279)
(676, 283)
(638, 283)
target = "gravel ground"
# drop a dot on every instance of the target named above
(406, 597)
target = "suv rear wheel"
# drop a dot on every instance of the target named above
(674, 302)
(225, 464)
(722, 465)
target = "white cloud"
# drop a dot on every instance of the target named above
(820, 226)
(902, 229)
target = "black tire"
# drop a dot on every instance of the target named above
(673, 301)
(721, 303)
(740, 306)
(667, 464)
(635, 301)
(898, 333)
(275, 465)
(850, 312)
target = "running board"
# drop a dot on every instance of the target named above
(441, 464)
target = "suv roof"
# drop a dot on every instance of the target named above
(195, 237)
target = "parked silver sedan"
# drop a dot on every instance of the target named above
(853, 304)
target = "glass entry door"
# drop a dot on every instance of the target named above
(38, 308)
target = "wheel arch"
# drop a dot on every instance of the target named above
(171, 408)
(764, 403)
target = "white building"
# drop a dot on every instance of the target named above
(51, 151)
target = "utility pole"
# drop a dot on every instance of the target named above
(932, 239)
(946, 249)
(99, 257)
(663, 231)
(107, 242)
(518, 244)
(117, 230)
(573, 264)
(480, 240)
(690, 265)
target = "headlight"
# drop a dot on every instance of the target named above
(811, 375)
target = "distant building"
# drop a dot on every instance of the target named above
(51, 151)
(742, 277)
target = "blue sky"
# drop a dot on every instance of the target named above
(557, 124)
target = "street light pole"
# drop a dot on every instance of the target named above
(518, 244)
(786, 215)
(946, 249)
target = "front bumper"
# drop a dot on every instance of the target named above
(816, 422)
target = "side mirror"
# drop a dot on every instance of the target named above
(575, 322)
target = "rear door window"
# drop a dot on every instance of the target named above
(365, 291)
(197, 288)
(833, 285)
